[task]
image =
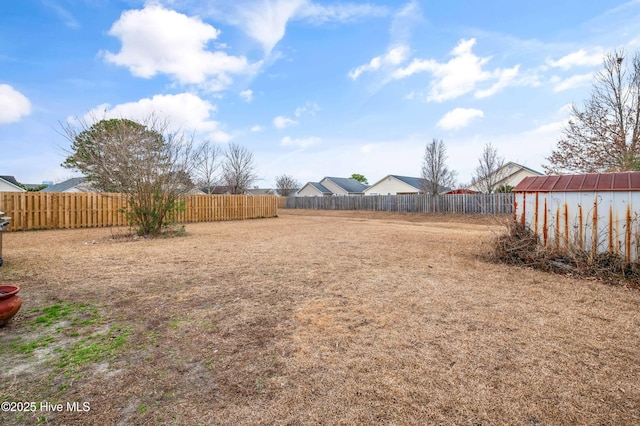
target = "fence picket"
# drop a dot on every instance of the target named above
(46, 210)
(501, 203)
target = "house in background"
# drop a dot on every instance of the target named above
(77, 184)
(260, 191)
(511, 174)
(314, 189)
(400, 185)
(10, 184)
(330, 186)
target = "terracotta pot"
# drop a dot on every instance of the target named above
(9, 303)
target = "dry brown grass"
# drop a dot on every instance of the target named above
(331, 318)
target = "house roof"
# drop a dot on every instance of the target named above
(627, 181)
(66, 185)
(12, 180)
(348, 184)
(260, 191)
(418, 183)
(320, 187)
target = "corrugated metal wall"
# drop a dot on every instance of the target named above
(597, 221)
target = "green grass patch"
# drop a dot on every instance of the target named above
(63, 337)
(76, 313)
(94, 349)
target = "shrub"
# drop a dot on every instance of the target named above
(520, 246)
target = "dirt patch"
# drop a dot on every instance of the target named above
(326, 318)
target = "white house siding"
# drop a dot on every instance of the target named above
(308, 191)
(327, 183)
(516, 178)
(390, 186)
(512, 174)
(8, 187)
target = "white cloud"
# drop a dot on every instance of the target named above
(404, 21)
(394, 56)
(505, 78)
(266, 21)
(310, 108)
(13, 105)
(459, 118)
(321, 13)
(572, 82)
(65, 16)
(398, 52)
(367, 148)
(157, 40)
(460, 75)
(257, 128)
(247, 95)
(184, 111)
(578, 58)
(282, 122)
(550, 128)
(301, 143)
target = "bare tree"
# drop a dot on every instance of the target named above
(488, 174)
(238, 169)
(286, 185)
(604, 136)
(146, 161)
(435, 172)
(207, 165)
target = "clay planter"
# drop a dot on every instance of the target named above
(9, 303)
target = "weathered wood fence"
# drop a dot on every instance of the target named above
(51, 210)
(415, 203)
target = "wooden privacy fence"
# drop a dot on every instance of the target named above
(51, 210)
(413, 203)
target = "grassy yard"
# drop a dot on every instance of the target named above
(311, 318)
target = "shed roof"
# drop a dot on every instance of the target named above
(626, 181)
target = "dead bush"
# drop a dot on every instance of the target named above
(520, 246)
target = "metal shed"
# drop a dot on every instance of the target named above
(594, 212)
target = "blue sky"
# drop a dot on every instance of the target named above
(312, 88)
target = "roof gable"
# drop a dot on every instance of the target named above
(320, 187)
(315, 186)
(11, 180)
(516, 167)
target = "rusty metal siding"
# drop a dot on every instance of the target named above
(597, 221)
